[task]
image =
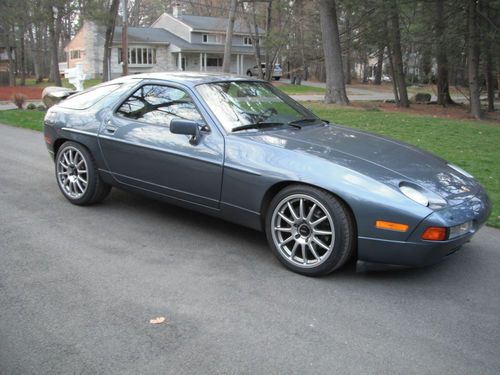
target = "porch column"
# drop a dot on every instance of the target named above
(201, 62)
(242, 66)
(238, 64)
(205, 63)
(179, 61)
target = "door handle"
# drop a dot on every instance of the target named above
(110, 128)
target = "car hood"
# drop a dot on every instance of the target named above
(380, 158)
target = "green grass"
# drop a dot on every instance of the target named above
(23, 118)
(302, 89)
(30, 82)
(472, 145)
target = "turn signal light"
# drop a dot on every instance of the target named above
(380, 224)
(435, 234)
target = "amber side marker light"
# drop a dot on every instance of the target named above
(380, 224)
(48, 140)
(435, 234)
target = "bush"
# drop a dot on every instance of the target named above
(31, 106)
(41, 108)
(19, 99)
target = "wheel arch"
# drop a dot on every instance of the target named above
(277, 187)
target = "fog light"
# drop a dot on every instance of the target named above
(435, 234)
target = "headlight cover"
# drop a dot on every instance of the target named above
(422, 196)
(414, 194)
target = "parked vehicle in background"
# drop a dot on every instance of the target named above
(277, 71)
(385, 78)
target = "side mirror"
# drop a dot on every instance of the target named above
(187, 127)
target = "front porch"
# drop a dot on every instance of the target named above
(212, 62)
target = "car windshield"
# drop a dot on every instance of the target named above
(242, 105)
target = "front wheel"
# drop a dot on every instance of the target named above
(77, 175)
(310, 230)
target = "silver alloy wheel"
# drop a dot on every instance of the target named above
(303, 231)
(72, 172)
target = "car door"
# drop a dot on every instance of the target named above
(139, 149)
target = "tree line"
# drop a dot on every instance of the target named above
(449, 43)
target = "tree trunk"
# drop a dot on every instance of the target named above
(108, 39)
(348, 57)
(23, 57)
(12, 75)
(54, 45)
(398, 57)
(335, 83)
(268, 44)
(443, 85)
(255, 37)
(380, 62)
(490, 81)
(473, 60)
(394, 78)
(226, 64)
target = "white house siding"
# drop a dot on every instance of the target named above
(169, 22)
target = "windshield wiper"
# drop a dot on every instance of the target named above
(262, 124)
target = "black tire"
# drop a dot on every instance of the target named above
(249, 73)
(341, 245)
(277, 78)
(95, 189)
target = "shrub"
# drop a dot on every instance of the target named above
(41, 108)
(31, 106)
(19, 99)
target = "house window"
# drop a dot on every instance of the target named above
(139, 56)
(214, 61)
(247, 41)
(213, 38)
(74, 54)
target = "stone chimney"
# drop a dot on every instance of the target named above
(177, 10)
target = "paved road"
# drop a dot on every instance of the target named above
(358, 94)
(79, 285)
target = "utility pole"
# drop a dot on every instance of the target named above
(124, 38)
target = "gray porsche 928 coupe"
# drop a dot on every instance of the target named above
(239, 149)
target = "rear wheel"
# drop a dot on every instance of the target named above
(77, 177)
(310, 230)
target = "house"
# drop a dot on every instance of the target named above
(173, 42)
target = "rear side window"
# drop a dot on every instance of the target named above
(89, 97)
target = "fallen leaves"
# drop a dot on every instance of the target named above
(158, 320)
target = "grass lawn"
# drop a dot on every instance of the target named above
(472, 145)
(30, 82)
(23, 118)
(302, 89)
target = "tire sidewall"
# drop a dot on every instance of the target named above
(341, 230)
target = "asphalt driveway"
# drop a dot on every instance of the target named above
(78, 287)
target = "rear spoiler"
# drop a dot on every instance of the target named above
(53, 94)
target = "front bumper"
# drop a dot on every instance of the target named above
(415, 252)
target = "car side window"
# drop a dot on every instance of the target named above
(158, 104)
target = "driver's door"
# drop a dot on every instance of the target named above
(140, 150)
